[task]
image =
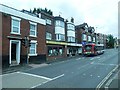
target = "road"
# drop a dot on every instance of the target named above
(80, 72)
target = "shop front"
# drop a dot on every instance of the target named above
(56, 50)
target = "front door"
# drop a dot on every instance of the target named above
(14, 58)
(13, 53)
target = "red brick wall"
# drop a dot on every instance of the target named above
(24, 30)
(6, 27)
(41, 39)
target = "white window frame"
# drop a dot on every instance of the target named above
(18, 19)
(34, 30)
(59, 37)
(59, 23)
(35, 42)
(71, 27)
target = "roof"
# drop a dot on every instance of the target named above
(82, 26)
(19, 14)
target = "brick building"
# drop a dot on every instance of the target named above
(17, 25)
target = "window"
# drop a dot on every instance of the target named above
(93, 39)
(88, 47)
(48, 36)
(70, 26)
(60, 37)
(15, 25)
(84, 37)
(55, 51)
(71, 39)
(33, 48)
(89, 38)
(48, 21)
(59, 23)
(33, 31)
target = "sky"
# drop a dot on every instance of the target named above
(100, 14)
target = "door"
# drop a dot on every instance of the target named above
(13, 53)
(14, 57)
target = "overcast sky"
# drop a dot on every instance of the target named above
(101, 14)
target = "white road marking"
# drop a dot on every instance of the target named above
(48, 81)
(58, 76)
(104, 64)
(39, 84)
(104, 80)
(35, 75)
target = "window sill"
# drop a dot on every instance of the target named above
(32, 36)
(33, 54)
(15, 33)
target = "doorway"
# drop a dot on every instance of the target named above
(14, 52)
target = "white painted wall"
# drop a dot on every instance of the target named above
(71, 33)
(59, 30)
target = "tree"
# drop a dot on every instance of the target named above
(34, 10)
(38, 10)
(110, 41)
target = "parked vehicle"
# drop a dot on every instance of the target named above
(93, 49)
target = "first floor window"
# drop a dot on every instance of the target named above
(15, 25)
(33, 49)
(33, 29)
(60, 37)
(71, 39)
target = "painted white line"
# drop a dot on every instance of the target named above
(105, 79)
(35, 75)
(104, 64)
(39, 84)
(58, 76)
(48, 81)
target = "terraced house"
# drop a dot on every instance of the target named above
(17, 25)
